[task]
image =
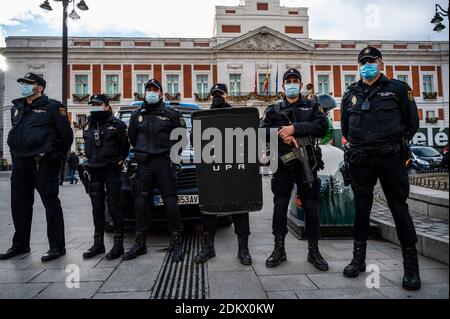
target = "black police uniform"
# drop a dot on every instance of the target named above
(376, 120)
(39, 137)
(149, 133)
(106, 147)
(309, 121)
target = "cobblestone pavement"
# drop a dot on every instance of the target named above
(150, 276)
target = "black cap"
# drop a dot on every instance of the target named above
(369, 52)
(99, 98)
(31, 78)
(154, 83)
(219, 87)
(292, 72)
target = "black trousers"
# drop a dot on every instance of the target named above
(105, 185)
(157, 169)
(282, 185)
(391, 171)
(26, 178)
(240, 221)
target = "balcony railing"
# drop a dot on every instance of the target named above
(114, 97)
(244, 97)
(80, 98)
(430, 95)
(173, 98)
(201, 98)
(431, 120)
(139, 96)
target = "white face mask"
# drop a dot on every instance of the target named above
(97, 108)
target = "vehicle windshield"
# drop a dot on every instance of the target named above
(425, 152)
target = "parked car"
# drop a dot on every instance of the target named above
(188, 200)
(424, 158)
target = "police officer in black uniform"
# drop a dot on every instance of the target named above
(307, 119)
(379, 116)
(106, 147)
(219, 92)
(149, 132)
(39, 138)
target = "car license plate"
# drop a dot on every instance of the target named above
(182, 200)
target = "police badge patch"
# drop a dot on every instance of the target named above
(354, 100)
(140, 119)
(411, 95)
(16, 113)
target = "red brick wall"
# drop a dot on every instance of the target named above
(292, 29)
(231, 28)
(214, 74)
(441, 114)
(127, 81)
(142, 67)
(202, 67)
(390, 71)
(172, 67)
(81, 67)
(187, 81)
(323, 67)
(416, 81)
(439, 79)
(97, 79)
(337, 80)
(112, 67)
(262, 6)
(157, 72)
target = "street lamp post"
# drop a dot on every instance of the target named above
(438, 18)
(74, 15)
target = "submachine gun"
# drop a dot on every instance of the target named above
(302, 160)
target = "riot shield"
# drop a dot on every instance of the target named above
(228, 186)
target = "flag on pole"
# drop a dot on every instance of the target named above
(256, 82)
(266, 82)
(276, 81)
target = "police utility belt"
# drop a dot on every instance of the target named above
(357, 156)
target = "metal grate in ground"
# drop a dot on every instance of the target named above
(186, 279)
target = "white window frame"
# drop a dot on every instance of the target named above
(104, 85)
(229, 83)
(165, 83)
(89, 90)
(330, 82)
(344, 74)
(433, 82)
(135, 81)
(208, 83)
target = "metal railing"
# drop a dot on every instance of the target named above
(433, 179)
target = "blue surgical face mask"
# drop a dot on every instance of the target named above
(152, 97)
(27, 90)
(97, 108)
(292, 90)
(369, 71)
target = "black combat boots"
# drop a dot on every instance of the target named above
(314, 256)
(98, 247)
(14, 251)
(117, 249)
(208, 251)
(243, 252)
(278, 254)
(139, 248)
(358, 263)
(411, 278)
(177, 247)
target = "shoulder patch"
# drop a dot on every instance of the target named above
(411, 96)
(182, 121)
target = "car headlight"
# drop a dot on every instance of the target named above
(422, 162)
